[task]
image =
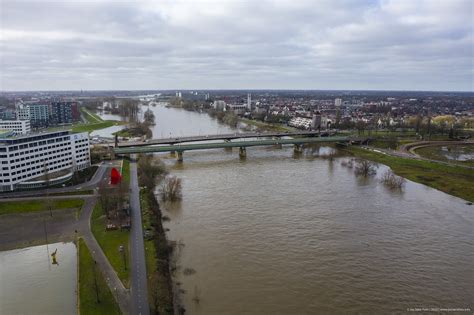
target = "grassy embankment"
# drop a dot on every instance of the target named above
(266, 126)
(157, 252)
(87, 290)
(14, 207)
(110, 241)
(94, 122)
(454, 180)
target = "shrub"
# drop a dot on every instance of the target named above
(171, 188)
(365, 168)
(393, 181)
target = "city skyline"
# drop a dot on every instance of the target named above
(348, 45)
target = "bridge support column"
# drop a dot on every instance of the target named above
(298, 148)
(242, 152)
(227, 148)
(179, 156)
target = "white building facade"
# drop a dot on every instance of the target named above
(19, 127)
(24, 160)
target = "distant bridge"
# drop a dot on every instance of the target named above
(227, 137)
(242, 145)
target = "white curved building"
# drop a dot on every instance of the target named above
(26, 159)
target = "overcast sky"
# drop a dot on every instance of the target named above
(236, 44)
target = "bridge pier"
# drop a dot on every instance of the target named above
(242, 152)
(298, 148)
(179, 156)
(227, 148)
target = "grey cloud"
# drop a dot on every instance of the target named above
(419, 44)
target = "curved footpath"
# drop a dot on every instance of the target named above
(408, 151)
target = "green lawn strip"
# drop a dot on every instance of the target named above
(110, 242)
(72, 193)
(95, 126)
(91, 117)
(126, 171)
(454, 180)
(87, 286)
(10, 207)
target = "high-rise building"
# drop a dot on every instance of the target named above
(61, 112)
(25, 160)
(39, 114)
(249, 102)
(22, 111)
(9, 114)
(338, 102)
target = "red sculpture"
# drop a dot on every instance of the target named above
(115, 176)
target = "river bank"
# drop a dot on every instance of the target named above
(453, 180)
(158, 253)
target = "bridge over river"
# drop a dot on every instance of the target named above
(242, 145)
(228, 137)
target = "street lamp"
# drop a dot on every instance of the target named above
(122, 250)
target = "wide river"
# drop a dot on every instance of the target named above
(279, 234)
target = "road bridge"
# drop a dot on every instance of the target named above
(227, 137)
(242, 145)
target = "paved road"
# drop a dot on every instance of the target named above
(139, 289)
(94, 181)
(116, 287)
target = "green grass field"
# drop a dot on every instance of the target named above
(110, 242)
(87, 290)
(11, 207)
(454, 180)
(95, 126)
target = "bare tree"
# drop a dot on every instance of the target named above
(104, 198)
(171, 188)
(365, 168)
(393, 181)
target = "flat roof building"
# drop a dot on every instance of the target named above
(18, 127)
(25, 160)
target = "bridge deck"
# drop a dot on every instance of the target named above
(232, 144)
(230, 136)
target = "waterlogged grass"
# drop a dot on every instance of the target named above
(436, 153)
(11, 207)
(454, 180)
(266, 126)
(110, 242)
(87, 290)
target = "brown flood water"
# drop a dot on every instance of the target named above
(276, 234)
